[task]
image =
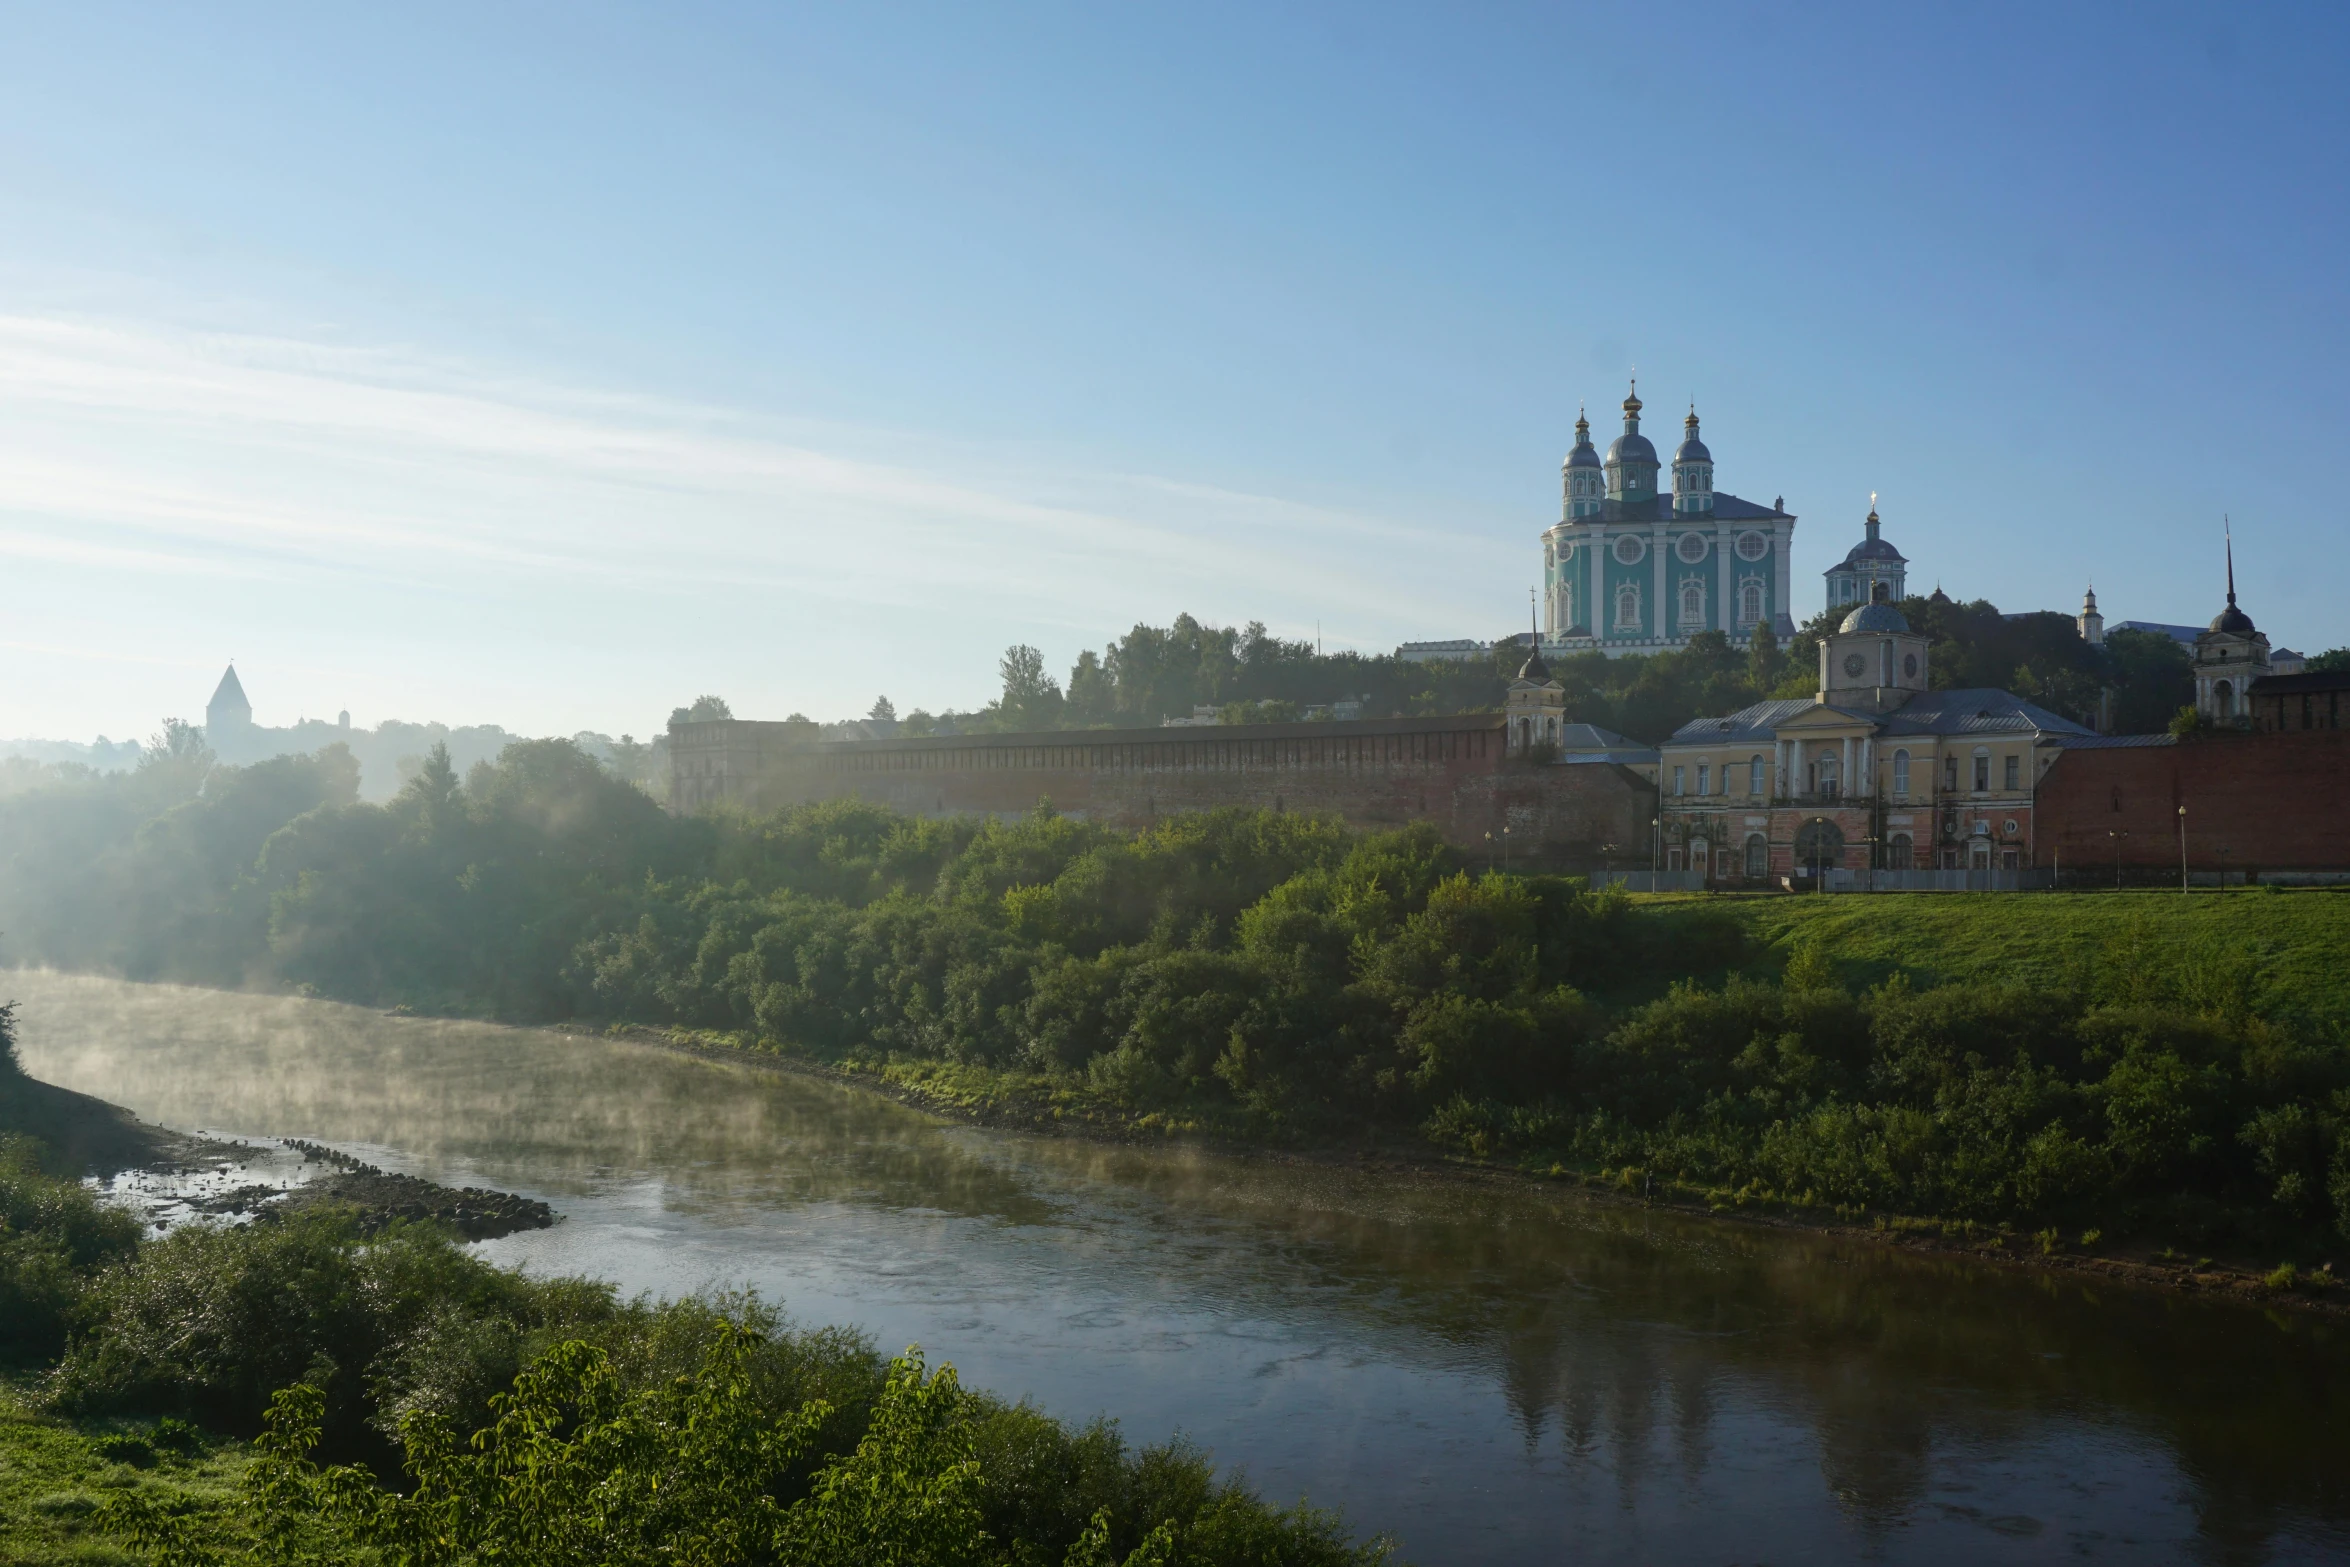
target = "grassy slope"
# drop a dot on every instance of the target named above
(2301, 938)
(54, 1487)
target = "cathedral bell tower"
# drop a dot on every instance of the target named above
(1584, 481)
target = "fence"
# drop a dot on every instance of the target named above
(1651, 881)
(1840, 879)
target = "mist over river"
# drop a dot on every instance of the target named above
(1493, 1374)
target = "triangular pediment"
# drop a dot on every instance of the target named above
(1821, 718)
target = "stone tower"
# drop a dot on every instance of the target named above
(2091, 623)
(228, 717)
(2228, 658)
(1535, 707)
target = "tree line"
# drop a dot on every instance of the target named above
(1248, 675)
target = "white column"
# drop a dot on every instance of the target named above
(1725, 612)
(1795, 767)
(1664, 627)
(1597, 576)
(1782, 596)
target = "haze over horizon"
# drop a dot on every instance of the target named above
(549, 368)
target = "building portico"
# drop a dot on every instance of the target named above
(1876, 771)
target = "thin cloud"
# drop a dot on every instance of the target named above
(533, 477)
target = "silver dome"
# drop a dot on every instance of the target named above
(1875, 617)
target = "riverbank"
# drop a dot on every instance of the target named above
(76, 1136)
(1027, 1104)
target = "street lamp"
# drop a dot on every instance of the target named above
(2182, 848)
(1819, 854)
(1656, 849)
(2117, 834)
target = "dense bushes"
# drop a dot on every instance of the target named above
(53, 1236)
(609, 1431)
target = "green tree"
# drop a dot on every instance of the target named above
(1764, 664)
(704, 709)
(1031, 698)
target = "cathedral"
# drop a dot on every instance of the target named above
(1629, 568)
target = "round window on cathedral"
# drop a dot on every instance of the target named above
(1691, 549)
(1752, 545)
(1854, 664)
(1566, 551)
(1630, 550)
(1909, 665)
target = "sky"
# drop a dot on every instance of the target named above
(551, 365)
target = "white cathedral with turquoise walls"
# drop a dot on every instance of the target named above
(1631, 569)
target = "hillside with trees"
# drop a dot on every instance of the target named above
(1249, 675)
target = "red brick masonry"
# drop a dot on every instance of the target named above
(2254, 802)
(1450, 772)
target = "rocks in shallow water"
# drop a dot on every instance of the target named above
(473, 1211)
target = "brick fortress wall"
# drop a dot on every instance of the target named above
(1449, 772)
(2254, 802)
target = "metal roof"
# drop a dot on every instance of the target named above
(1970, 711)
(1757, 722)
(1660, 509)
(1976, 710)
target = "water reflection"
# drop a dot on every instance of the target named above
(1496, 1374)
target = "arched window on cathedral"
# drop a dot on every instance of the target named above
(1628, 607)
(1750, 602)
(1901, 772)
(1692, 603)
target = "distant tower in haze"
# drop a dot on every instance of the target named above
(2092, 624)
(228, 717)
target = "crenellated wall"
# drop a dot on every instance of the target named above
(1450, 772)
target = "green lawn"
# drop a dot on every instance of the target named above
(57, 1478)
(2299, 940)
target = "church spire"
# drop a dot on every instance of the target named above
(2228, 532)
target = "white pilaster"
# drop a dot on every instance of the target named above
(1782, 599)
(1597, 576)
(1725, 612)
(1662, 626)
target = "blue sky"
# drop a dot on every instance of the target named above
(549, 365)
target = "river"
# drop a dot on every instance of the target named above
(1492, 1374)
